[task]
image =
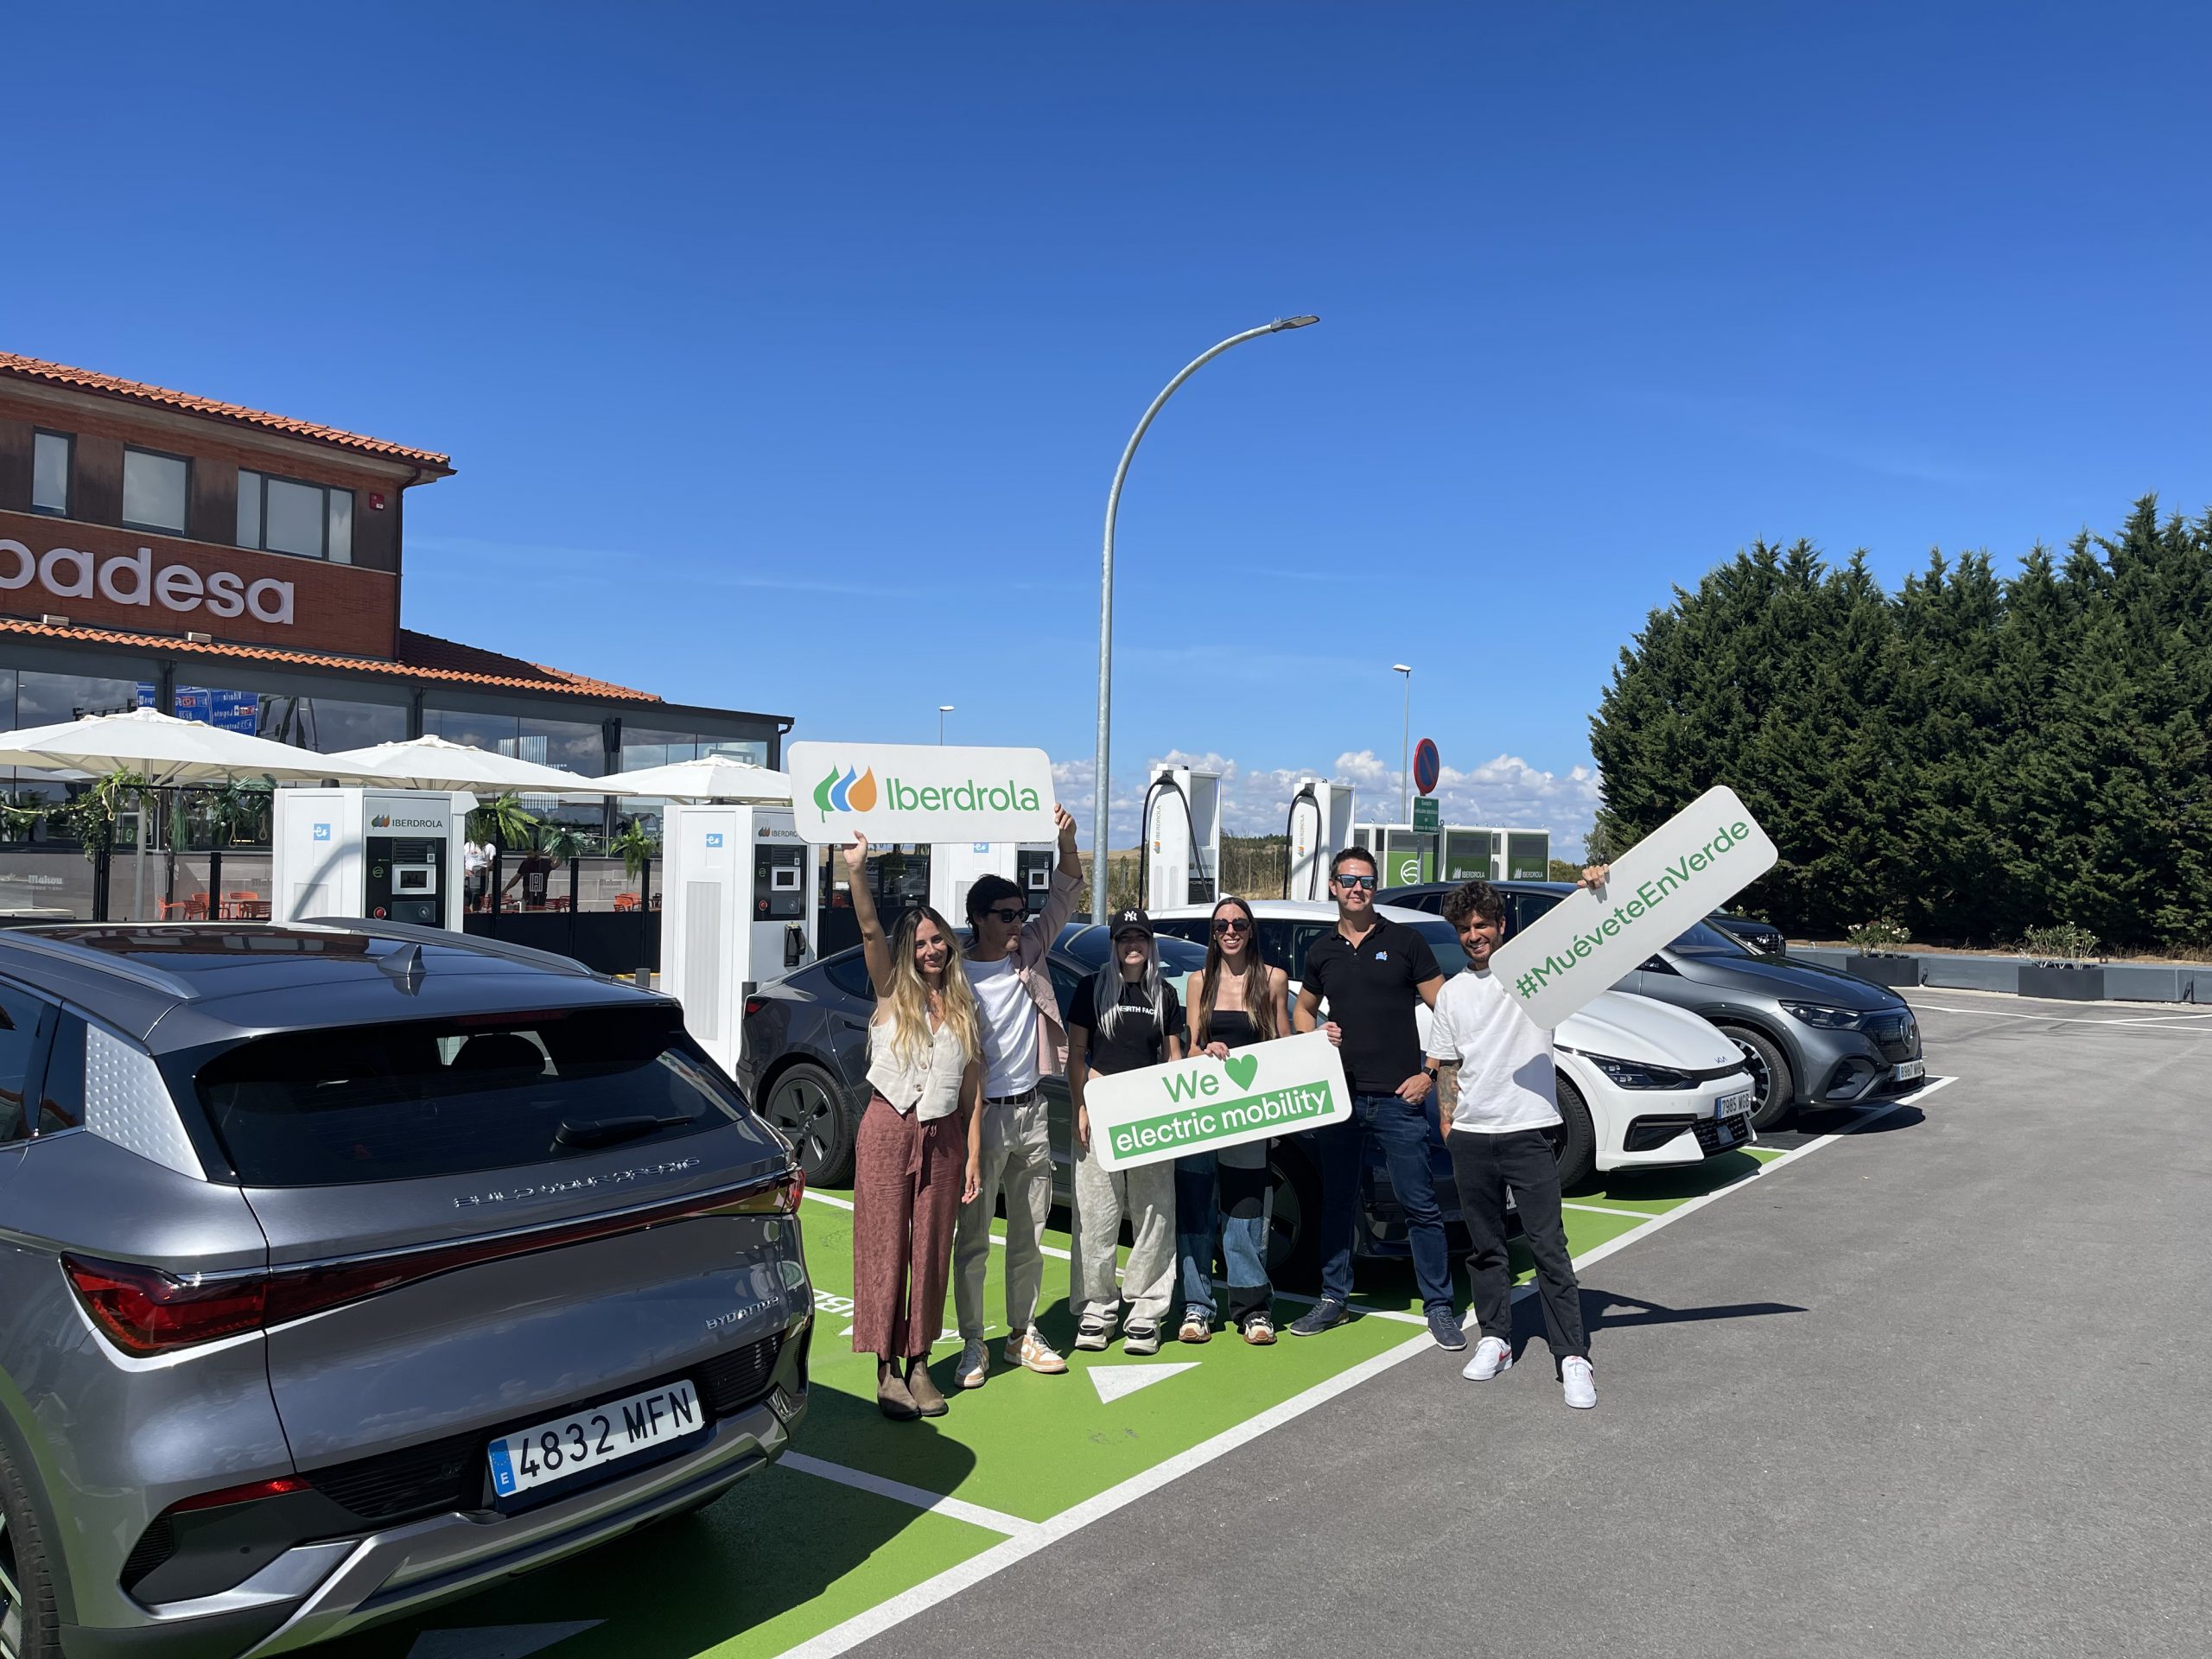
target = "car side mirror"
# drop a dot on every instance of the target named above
(1656, 965)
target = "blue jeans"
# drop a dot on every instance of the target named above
(1243, 1221)
(1402, 1131)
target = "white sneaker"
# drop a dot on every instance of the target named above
(1032, 1352)
(1491, 1356)
(975, 1367)
(1578, 1382)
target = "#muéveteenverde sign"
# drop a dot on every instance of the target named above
(1202, 1105)
(919, 792)
(1689, 865)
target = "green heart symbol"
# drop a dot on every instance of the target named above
(1242, 1069)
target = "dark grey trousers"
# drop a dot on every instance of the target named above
(1483, 1168)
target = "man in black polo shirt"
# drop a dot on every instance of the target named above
(1373, 974)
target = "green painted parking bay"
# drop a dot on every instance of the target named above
(799, 1549)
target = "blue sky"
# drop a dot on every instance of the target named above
(785, 352)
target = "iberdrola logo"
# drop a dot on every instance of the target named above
(844, 793)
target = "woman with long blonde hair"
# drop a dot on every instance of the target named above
(1240, 998)
(918, 1157)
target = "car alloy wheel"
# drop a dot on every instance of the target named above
(11, 1598)
(1773, 1089)
(805, 1105)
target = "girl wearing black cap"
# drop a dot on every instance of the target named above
(1127, 1017)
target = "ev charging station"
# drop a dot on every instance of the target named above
(954, 867)
(740, 888)
(1319, 827)
(1181, 846)
(382, 854)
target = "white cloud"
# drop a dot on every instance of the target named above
(1506, 791)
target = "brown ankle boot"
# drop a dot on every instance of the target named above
(891, 1396)
(924, 1389)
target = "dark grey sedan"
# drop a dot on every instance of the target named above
(1814, 1036)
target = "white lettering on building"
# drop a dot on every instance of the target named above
(131, 579)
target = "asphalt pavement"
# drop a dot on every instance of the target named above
(1935, 1387)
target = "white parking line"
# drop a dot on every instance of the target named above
(888, 1615)
(2177, 1020)
(1604, 1210)
(974, 1514)
(847, 1204)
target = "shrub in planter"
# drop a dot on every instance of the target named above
(2055, 967)
(1874, 954)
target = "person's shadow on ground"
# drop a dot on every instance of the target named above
(1603, 1310)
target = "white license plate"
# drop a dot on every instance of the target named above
(1907, 1069)
(1730, 1105)
(589, 1440)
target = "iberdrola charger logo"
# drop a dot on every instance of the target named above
(846, 792)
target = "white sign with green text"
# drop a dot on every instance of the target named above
(1689, 865)
(1202, 1105)
(918, 792)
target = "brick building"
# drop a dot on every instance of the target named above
(228, 564)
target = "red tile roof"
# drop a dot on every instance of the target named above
(423, 658)
(60, 374)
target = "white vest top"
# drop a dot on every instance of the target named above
(930, 1087)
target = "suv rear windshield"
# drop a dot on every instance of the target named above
(445, 1097)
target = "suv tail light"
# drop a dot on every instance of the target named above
(781, 1199)
(754, 1004)
(145, 1311)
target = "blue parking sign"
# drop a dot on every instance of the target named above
(322, 832)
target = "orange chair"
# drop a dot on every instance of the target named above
(626, 901)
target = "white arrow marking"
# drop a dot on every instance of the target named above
(1113, 1381)
(495, 1641)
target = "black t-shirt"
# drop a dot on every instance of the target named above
(1138, 1039)
(1372, 992)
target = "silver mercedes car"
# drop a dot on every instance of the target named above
(345, 1268)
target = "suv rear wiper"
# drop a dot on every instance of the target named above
(607, 1131)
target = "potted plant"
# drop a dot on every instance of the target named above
(1874, 953)
(636, 849)
(2058, 964)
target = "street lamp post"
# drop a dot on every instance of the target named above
(1406, 744)
(1101, 795)
(943, 710)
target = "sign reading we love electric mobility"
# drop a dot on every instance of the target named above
(1202, 1105)
(918, 792)
(1693, 863)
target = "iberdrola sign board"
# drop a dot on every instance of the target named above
(1688, 867)
(918, 792)
(1202, 1105)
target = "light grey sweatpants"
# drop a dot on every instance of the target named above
(1017, 1161)
(1146, 1195)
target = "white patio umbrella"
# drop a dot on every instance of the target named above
(164, 750)
(710, 778)
(437, 763)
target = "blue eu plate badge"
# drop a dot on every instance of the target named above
(502, 1470)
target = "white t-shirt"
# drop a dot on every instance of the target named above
(475, 858)
(1506, 1080)
(1010, 1022)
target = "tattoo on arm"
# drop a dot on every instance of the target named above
(1447, 1085)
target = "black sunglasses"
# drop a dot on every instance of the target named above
(1355, 881)
(1009, 916)
(1232, 924)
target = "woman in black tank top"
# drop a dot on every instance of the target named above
(1239, 999)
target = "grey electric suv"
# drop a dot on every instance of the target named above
(345, 1268)
(1811, 1036)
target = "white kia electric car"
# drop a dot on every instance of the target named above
(1642, 1084)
